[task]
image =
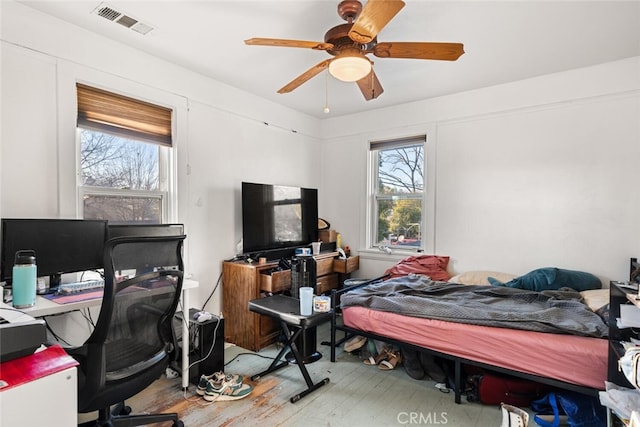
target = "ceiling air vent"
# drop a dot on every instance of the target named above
(113, 15)
(108, 13)
(127, 21)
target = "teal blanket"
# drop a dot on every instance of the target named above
(552, 278)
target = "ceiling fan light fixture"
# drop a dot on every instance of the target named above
(350, 68)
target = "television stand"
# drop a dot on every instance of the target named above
(243, 282)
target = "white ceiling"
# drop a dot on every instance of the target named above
(504, 41)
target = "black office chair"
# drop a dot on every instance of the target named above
(132, 342)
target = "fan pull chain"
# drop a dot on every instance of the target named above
(373, 89)
(373, 85)
(326, 93)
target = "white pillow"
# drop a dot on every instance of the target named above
(596, 298)
(480, 277)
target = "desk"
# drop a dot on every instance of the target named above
(39, 389)
(45, 307)
(286, 310)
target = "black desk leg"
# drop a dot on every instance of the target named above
(303, 369)
(275, 365)
(296, 354)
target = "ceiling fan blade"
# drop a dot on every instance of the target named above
(370, 86)
(307, 75)
(375, 15)
(418, 50)
(258, 41)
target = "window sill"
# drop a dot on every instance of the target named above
(395, 255)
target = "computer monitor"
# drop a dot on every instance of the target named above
(61, 245)
(144, 230)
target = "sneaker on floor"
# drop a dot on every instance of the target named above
(216, 376)
(443, 387)
(226, 390)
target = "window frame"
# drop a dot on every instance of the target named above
(166, 166)
(427, 222)
(163, 193)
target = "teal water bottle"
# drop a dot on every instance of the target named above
(24, 279)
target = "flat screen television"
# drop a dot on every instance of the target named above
(61, 245)
(278, 217)
(144, 230)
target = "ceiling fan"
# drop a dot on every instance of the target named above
(350, 43)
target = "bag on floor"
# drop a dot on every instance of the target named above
(494, 389)
(573, 409)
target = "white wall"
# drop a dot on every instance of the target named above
(537, 173)
(221, 136)
(29, 121)
(533, 173)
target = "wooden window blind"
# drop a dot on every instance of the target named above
(397, 143)
(108, 112)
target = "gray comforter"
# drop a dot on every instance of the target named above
(560, 311)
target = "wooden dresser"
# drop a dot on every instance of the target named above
(243, 281)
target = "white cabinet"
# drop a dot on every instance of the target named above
(47, 401)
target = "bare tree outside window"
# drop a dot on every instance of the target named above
(120, 178)
(401, 169)
(398, 197)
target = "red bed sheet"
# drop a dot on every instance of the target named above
(573, 359)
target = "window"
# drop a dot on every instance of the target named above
(125, 150)
(397, 193)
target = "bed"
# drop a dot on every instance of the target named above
(571, 357)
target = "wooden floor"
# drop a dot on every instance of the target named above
(356, 395)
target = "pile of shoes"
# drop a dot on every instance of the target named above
(223, 387)
(379, 354)
(386, 359)
(421, 365)
(354, 343)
